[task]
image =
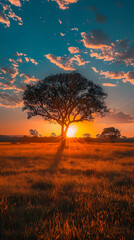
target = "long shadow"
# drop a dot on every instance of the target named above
(57, 158)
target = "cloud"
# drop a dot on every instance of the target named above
(12, 15)
(4, 19)
(27, 59)
(60, 21)
(100, 18)
(64, 4)
(115, 116)
(66, 62)
(10, 100)
(79, 60)
(109, 84)
(120, 75)
(11, 71)
(62, 62)
(74, 29)
(18, 54)
(27, 78)
(7, 85)
(10, 81)
(62, 34)
(123, 43)
(106, 54)
(73, 50)
(33, 61)
(126, 56)
(19, 60)
(15, 2)
(96, 39)
(117, 75)
(8, 13)
(95, 70)
(104, 49)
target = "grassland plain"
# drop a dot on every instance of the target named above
(84, 191)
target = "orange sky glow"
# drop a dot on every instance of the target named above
(20, 125)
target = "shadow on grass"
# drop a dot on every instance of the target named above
(57, 158)
(43, 186)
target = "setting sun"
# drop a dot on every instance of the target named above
(71, 131)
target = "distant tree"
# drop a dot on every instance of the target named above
(124, 137)
(97, 135)
(86, 135)
(64, 98)
(110, 133)
(34, 132)
(53, 134)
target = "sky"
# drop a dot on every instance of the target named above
(44, 37)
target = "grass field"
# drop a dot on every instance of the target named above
(84, 191)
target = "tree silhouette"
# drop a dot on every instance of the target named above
(64, 99)
(110, 133)
(86, 135)
(33, 132)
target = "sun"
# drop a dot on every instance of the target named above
(71, 131)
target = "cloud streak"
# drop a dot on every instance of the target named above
(62, 62)
(115, 116)
(64, 4)
(119, 75)
(7, 13)
(96, 39)
(102, 48)
(73, 50)
(4, 19)
(10, 100)
(27, 78)
(65, 62)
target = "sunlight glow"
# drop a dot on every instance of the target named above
(71, 131)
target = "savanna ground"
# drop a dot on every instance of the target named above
(82, 192)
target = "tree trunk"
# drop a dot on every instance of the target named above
(63, 134)
(63, 137)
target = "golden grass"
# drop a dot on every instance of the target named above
(84, 191)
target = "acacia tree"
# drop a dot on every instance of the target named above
(33, 132)
(64, 99)
(110, 133)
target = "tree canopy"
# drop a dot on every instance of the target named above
(64, 98)
(33, 132)
(110, 133)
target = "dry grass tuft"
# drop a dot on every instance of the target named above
(82, 192)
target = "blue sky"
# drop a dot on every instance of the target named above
(39, 38)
